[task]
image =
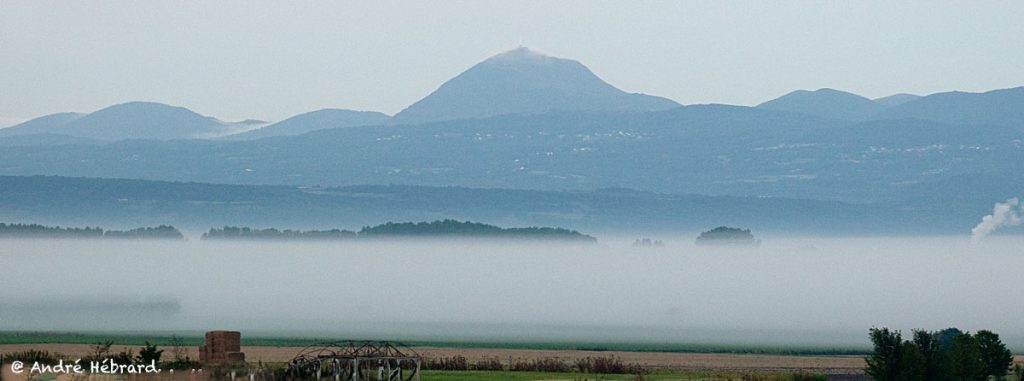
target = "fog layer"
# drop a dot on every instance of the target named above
(788, 291)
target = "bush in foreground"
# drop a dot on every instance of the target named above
(949, 354)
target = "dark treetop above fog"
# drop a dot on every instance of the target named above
(41, 231)
(440, 228)
(724, 235)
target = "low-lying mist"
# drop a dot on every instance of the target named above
(788, 291)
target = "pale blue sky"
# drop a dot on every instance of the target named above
(270, 60)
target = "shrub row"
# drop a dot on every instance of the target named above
(597, 365)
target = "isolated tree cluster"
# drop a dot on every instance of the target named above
(724, 235)
(946, 355)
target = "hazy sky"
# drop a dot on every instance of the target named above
(270, 60)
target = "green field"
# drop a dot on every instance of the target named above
(195, 339)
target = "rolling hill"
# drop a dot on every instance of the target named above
(315, 120)
(896, 99)
(1003, 107)
(828, 103)
(132, 120)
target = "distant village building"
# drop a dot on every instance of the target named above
(222, 347)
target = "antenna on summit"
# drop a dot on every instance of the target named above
(520, 41)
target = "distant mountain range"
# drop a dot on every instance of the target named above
(516, 82)
(998, 107)
(711, 150)
(522, 120)
(519, 81)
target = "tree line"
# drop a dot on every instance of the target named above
(446, 227)
(946, 355)
(234, 232)
(42, 231)
(468, 228)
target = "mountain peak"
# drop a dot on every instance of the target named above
(521, 53)
(522, 81)
(823, 92)
(143, 104)
(831, 91)
(523, 58)
(144, 107)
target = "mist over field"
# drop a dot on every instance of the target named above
(788, 291)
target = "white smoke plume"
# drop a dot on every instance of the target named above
(1003, 214)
